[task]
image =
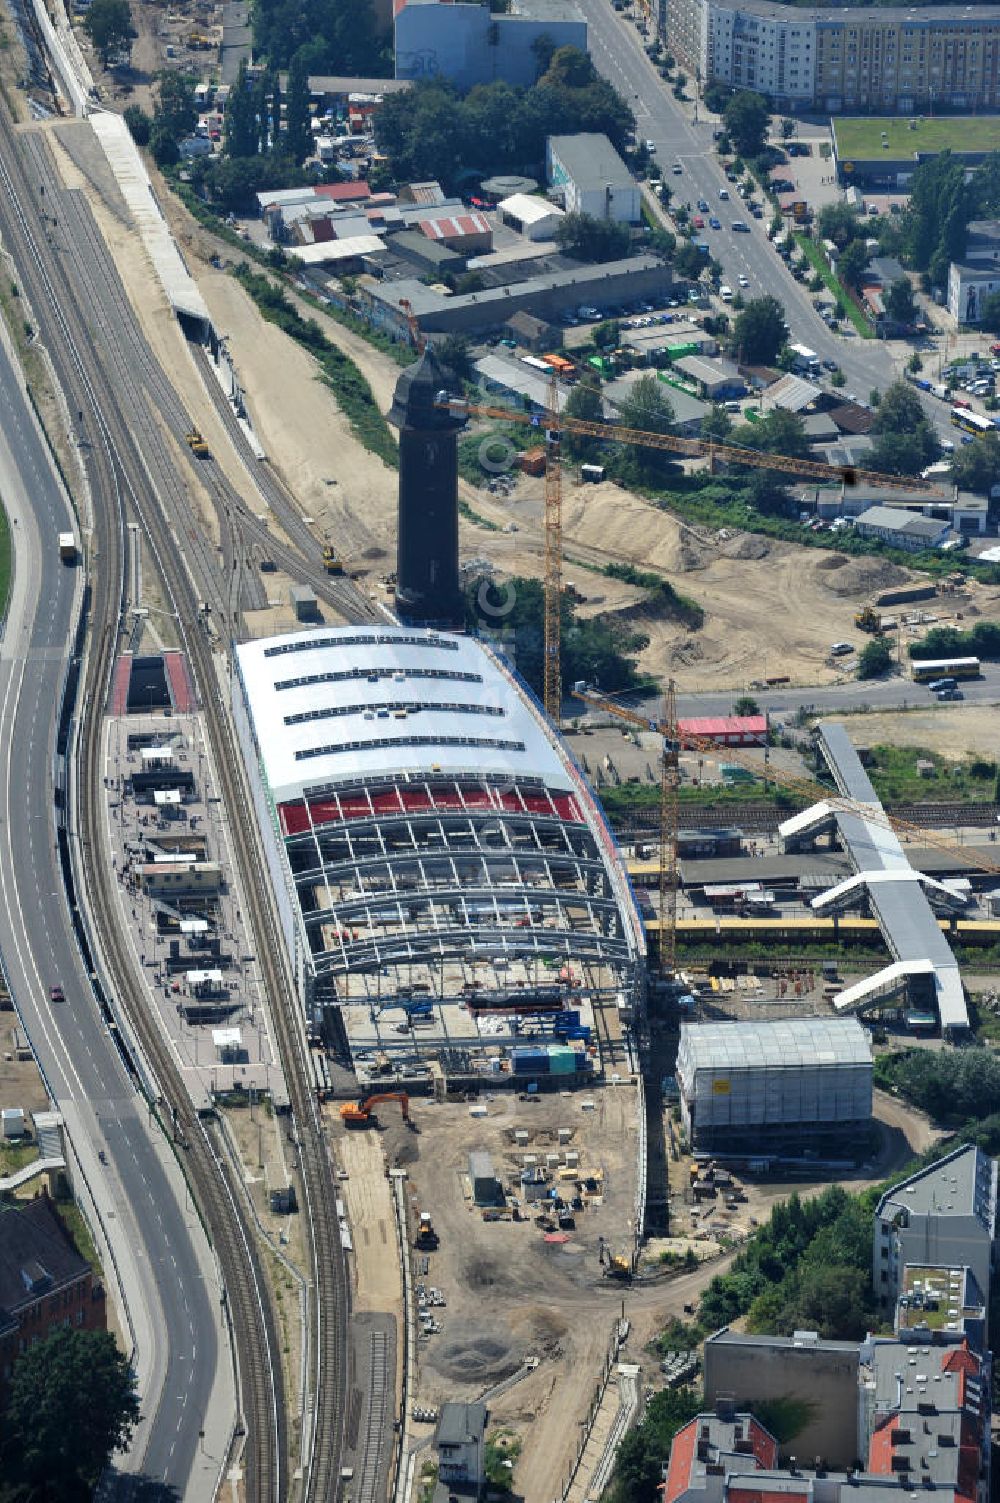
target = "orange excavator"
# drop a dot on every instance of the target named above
(360, 1114)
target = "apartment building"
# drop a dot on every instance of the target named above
(944, 1215)
(892, 60)
(44, 1283)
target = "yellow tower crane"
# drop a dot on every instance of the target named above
(557, 423)
(673, 740)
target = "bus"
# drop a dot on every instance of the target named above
(971, 422)
(924, 670)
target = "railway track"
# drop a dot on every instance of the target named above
(138, 369)
(229, 571)
(765, 818)
(122, 483)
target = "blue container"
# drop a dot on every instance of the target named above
(530, 1061)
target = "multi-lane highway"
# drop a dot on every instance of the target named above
(617, 51)
(176, 1327)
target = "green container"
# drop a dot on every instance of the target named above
(562, 1060)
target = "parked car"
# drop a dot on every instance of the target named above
(703, 205)
(840, 649)
(698, 222)
(743, 280)
(724, 194)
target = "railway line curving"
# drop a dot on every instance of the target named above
(121, 476)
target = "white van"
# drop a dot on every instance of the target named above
(726, 293)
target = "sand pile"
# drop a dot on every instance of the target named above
(859, 576)
(748, 546)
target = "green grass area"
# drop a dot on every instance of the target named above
(628, 800)
(14, 1156)
(861, 136)
(814, 255)
(894, 775)
(499, 448)
(501, 1447)
(78, 1229)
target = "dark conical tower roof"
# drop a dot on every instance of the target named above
(414, 402)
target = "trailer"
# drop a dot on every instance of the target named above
(67, 547)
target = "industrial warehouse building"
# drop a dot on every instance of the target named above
(434, 849)
(803, 1084)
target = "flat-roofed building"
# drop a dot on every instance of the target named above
(789, 1086)
(592, 177)
(944, 1215)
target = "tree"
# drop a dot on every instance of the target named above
(72, 1405)
(901, 415)
(163, 146)
(894, 454)
(342, 34)
(583, 402)
(589, 239)
(232, 182)
(689, 261)
(746, 705)
(240, 129)
(298, 120)
(647, 408)
(852, 264)
(874, 659)
(989, 313)
(938, 213)
(780, 432)
(760, 331)
(645, 1450)
(899, 302)
(139, 124)
(543, 49)
(976, 467)
(746, 118)
(175, 109)
(453, 352)
(607, 334)
(108, 24)
(717, 424)
(838, 222)
(788, 127)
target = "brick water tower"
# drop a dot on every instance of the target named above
(427, 587)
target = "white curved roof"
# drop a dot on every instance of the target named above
(335, 704)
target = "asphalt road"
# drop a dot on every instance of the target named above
(876, 694)
(78, 1056)
(617, 52)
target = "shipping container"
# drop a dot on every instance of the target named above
(529, 1061)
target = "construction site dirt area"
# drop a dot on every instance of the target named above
(955, 731)
(546, 1299)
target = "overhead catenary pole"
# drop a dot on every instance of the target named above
(553, 557)
(669, 820)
